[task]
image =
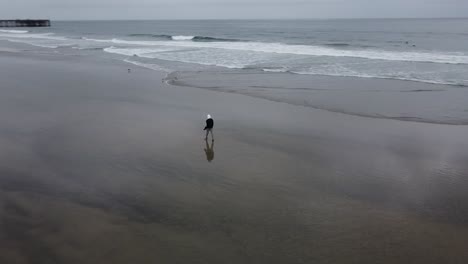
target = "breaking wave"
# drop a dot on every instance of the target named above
(44, 40)
(185, 38)
(269, 56)
(195, 42)
(310, 50)
(13, 31)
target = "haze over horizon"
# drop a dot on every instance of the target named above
(231, 9)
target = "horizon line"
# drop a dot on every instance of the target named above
(264, 19)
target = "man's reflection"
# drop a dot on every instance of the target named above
(209, 151)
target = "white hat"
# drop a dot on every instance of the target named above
(208, 116)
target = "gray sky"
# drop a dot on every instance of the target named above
(232, 9)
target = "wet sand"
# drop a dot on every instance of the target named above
(366, 97)
(101, 166)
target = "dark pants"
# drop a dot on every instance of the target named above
(209, 130)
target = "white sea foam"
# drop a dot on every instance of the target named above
(279, 48)
(150, 66)
(381, 76)
(37, 44)
(13, 31)
(207, 57)
(44, 40)
(126, 52)
(32, 36)
(275, 70)
(238, 54)
(140, 52)
(125, 42)
(182, 37)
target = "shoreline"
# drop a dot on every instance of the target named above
(269, 86)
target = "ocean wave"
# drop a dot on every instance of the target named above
(210, 39)
(125, 42)
(33, 36)
(310, 50)
(182, 37)
(43, 40)
(87, 48)
(371, 76)
(348, 45)
(41, 45)
(150, 36)
(276, 70)
(231, 60)
(235, 61)
(363, 75)
(338, 45)
(139, 52)
(185, 38)
(156, 53)
(13, 31)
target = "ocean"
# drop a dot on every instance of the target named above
(419, 50)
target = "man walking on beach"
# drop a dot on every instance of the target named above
(209, 127)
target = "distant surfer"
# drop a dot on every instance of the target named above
(209, 127)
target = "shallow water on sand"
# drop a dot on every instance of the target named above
(382, 99)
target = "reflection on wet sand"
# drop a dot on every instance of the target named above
(209, 151)
(108, 174)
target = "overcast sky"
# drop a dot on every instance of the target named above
(229, 9)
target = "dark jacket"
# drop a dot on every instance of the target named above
(209, 124)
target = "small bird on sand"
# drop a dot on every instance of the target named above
(209, 127)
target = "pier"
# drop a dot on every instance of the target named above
(25, 23)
